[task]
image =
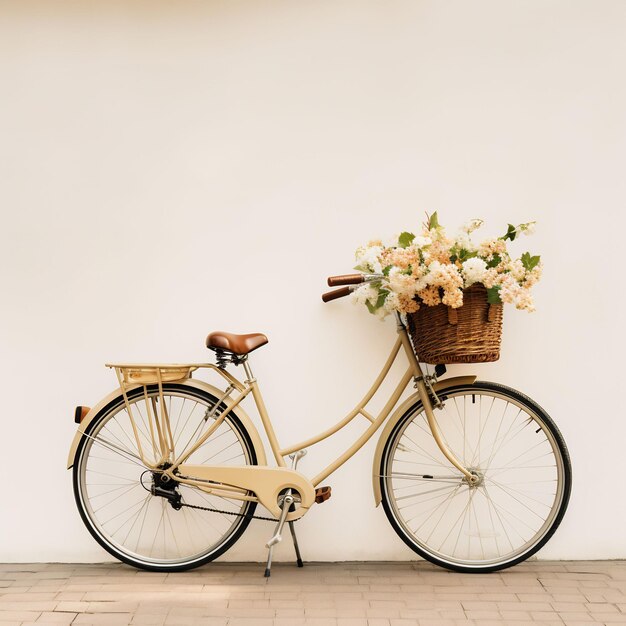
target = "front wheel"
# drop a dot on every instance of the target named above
(523, 488)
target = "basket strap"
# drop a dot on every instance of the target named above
(491, 313)
(453, 317)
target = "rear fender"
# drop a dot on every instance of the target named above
(194, 384)
(395, 418)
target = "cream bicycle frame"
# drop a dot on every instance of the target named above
(239, 482)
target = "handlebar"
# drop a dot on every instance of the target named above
(336, 293)
(346, 279)
(350, 281)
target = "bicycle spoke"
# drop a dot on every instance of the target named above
(413, 495)
(117, 449)
(145, 526)
(111, 475)
(143, 506)
(493, 506)
(529, 509)
(516, 496)
(430, 456)
(234, 443)
(447, 503)
(121, 512)
(508, 488)
(463, 515)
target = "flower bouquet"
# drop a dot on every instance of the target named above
(450, 288)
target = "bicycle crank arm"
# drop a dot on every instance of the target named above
(266, 483)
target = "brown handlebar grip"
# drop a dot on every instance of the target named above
(337, 293)
(345, 279)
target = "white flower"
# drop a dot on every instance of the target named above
(463, 242)
(381, 313)
(392, 302)
(453, 298)
(489, 247)
(528, 228)
(533, 276)
(518, 270)
(509, 290)
(472, 225)
(401, 283)
(525, 301)
(422, 242)
(365, 293)
(434, 268)
(369, 258)
(491, 278)
(444, 275)
(421, 283)
(473, 271)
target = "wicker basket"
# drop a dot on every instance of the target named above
(469, 334)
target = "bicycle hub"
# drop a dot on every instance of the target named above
(164, 487)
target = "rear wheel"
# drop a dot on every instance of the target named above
(114, 490)
(520, 498)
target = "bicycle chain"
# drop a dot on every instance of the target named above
(249, 515)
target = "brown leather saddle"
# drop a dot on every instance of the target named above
(237, 344)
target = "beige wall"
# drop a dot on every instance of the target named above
(171, 168)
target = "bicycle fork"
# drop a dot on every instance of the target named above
(471, 478)
(286, 507)
(425, 391)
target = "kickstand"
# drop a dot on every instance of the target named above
(277, 536)
(294, 463)
(286, 508)
(295, 544)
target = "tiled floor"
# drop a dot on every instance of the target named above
(339, 594)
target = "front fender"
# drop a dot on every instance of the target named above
(395, 418)
(196, 384)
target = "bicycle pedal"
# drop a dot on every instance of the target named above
(322, 494)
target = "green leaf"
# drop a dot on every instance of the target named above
(382, 295)
(511, 233)
(361, 268)
(529, 262)
(387, 269)
(497, 259)
(463, 255)
(493, 295)
(405, 239)
(433, 221)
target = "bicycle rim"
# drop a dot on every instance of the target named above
(112, 485)
(523, 467)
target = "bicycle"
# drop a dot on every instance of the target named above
(168, 470)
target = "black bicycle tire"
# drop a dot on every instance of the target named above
(222, 548)
(567, 474)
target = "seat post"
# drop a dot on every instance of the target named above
(248, 370)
